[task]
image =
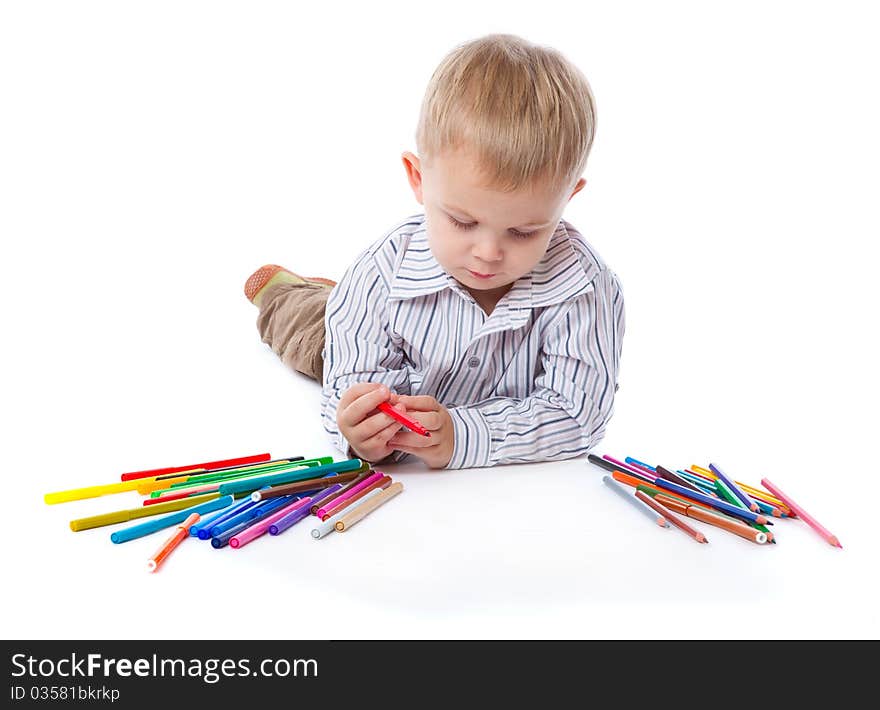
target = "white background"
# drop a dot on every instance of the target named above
(153, 154)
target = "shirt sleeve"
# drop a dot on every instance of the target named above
(357, 345)
(573, 397)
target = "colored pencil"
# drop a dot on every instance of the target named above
(675, 478)
(751, 490)
(123, 516)
(641, 464)
(260, 512)
(148, 527)
(746, 515)
(359, 512)
(801, 513)
(410, 424)
(635, 502)
(725, 494)
(602, 463)
(746, 501)
(671, 517)
(719, 521)
(299, 486)
(172, 542)
(255, 458)
(628, 468)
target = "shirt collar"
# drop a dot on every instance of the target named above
(558, 277)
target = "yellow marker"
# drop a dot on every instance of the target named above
(121, 516)
(102, 490)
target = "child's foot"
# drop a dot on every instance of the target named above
(272, 274)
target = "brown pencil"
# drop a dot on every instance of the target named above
(383, 483)
(672, 518)
(361, 476)
(309, 485)
(692, 511)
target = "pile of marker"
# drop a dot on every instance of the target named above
(243, 498)
(707, 495)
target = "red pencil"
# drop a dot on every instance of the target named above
(406, 421)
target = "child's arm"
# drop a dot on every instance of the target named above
(358, 347)
(572, 401)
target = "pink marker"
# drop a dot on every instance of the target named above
(375, 476)
(262, 527)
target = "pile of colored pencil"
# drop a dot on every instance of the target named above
(243, 498)
(708, 495)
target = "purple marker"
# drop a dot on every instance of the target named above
(279, 526)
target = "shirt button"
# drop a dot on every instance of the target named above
(473, 362)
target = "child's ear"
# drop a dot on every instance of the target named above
(413, 168)
(578, 188)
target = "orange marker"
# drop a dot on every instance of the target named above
(172, 542)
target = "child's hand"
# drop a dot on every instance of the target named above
(435, 450)
(366, 429)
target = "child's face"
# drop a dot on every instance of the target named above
(484, 238)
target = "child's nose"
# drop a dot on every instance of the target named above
(488, 249)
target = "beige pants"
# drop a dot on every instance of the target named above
(291, 322)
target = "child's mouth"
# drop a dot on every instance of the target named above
(478, 275)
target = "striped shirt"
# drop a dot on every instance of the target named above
(533, 381)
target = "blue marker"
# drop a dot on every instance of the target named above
(151, 526)
(635, 462)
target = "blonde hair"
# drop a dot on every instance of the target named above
(524, 111)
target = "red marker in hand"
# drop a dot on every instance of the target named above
(408, 423)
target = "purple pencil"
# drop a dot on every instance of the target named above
(735, 489)
(640, 472)
(291, 519)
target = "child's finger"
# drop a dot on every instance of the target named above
(423, 402)
(407, 438)
(375, 426)
(355, 391)
(358, 410)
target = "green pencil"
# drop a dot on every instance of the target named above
(122, 516)
(727, 495)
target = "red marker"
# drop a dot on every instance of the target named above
(408, 423)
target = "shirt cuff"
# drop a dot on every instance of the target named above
(472, 439)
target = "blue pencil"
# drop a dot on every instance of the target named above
(252, 513)
(735, 489)
(635, 502)
(635, 462)
(717, 503)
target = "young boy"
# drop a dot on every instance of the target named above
(488, 319)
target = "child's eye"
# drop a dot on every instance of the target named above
(520, 235)
(462, 225)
